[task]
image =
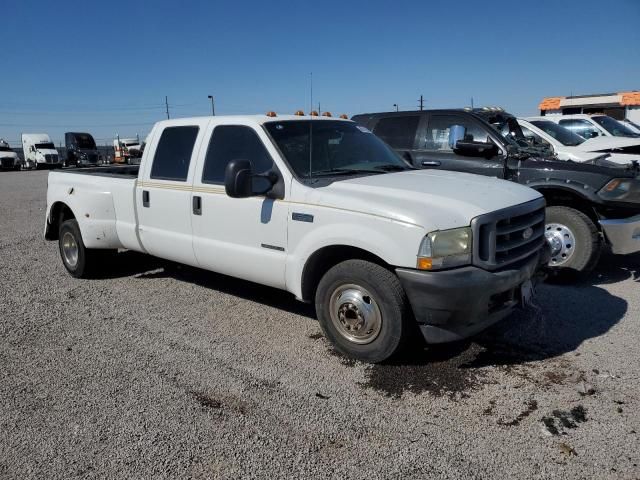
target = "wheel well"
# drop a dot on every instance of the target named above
(322, 260)
(60, 213)
(565, 198)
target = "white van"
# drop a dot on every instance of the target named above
(39, 151)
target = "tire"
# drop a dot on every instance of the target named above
(354, 293)
(575, 240)
(85, 262)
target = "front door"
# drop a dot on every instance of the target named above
(433, 149)
(163, 197)
(241, 237)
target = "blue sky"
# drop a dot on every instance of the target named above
(105, 67)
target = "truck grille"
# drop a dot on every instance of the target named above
(7, 162)
(508, 235)
(49, 158)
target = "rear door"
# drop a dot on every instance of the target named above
(241, 237)
(433, 149)
(163, 196)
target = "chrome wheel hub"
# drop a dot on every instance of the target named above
(355, 314)
(562, 242)
(69, 249)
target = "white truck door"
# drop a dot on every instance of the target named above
(163, 196)
(241, 237)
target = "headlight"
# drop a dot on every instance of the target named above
(621, 189)
(445, 249)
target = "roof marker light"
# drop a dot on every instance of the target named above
(344, 116)
(299, 113)
(313, 113)
(326, 114)
(271, 114)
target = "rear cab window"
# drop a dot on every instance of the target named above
(173, 153)
(398, 131)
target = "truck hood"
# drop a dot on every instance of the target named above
(601, 143)
(434, 200)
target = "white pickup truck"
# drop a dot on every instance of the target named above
(319, 207)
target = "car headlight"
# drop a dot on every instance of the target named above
(445, 249)
(621, 189)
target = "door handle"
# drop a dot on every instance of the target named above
(145, 198)
(431, 163)
(196, 202)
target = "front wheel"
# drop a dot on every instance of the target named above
(574, 239)
(363, 310)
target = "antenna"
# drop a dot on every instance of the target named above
(311, 130)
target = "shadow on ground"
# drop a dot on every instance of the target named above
(145, 266)
(566, 316)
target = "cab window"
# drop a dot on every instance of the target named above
(398, 131)
(583, 128)
(234, 142)
(437, 135)
(173, 153)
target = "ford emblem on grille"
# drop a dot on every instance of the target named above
(526, 234)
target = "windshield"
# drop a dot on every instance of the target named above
(614, 127)
(85, 142)
(45, 146)
(336, 147)
(563, 135)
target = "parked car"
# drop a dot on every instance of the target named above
(8, 158)
(589, 126)
(589, 204)
(321, 208)
(81, 149)
(567, 145)
(633, 126)
(39, 151)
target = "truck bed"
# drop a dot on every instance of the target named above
(117, 171)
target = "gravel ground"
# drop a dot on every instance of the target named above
(162, 372)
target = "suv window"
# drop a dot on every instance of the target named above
(583, 128)
(234, 142)
(398, 131)
(437, 136)
(528, 134)
(173, 154)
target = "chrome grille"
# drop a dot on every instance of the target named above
(508, 235)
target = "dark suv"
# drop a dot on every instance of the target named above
(588, 204)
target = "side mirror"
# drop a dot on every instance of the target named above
(593, 134)
(476, 149)
(239, 179)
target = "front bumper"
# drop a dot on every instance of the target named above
(455, 304)
(623, 234)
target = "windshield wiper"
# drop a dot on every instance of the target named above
(391, 167)
(343, 171)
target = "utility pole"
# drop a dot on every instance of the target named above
(471, 103)
(166, 104)
(396, 106)
(421, 102)
(319, 109)
(311, 85)
(213, 110)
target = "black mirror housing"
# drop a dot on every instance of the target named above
(237, 179)
(476, 149)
